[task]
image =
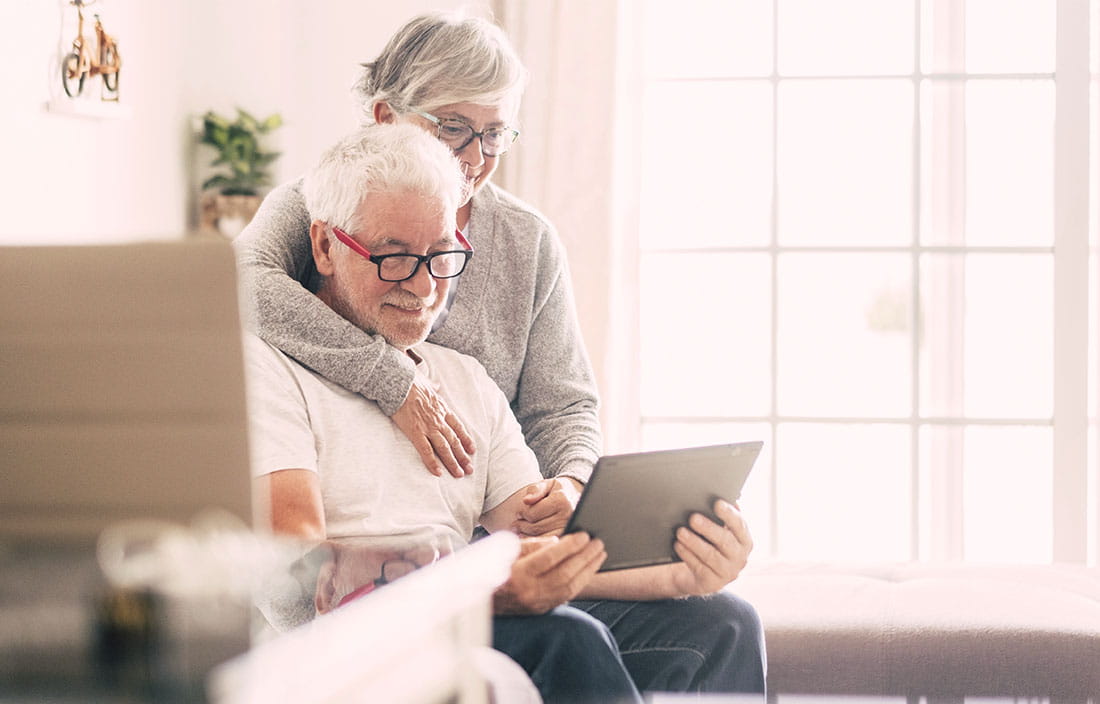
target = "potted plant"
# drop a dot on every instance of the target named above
(233, 194)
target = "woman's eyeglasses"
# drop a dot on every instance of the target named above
(456, 134)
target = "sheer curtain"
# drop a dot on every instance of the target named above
(572, 163)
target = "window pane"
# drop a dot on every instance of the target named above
(1010, 162)
(996, 186)
(705, 327)
(1010, 37)
(844, 344)
(664, 436)
(1007, 485)
(755, 499)
(843, 491)
(1008, 335)
(708, 38)
(845, 37)
(845, 162)
(987, 346)
(717, 189)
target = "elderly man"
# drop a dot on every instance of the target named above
(331, 464)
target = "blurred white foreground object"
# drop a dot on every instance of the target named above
(417, 641)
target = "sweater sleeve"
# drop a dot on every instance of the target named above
(275, 260)
(557, 401)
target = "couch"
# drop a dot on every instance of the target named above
(940, 631)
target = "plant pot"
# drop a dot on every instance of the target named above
(226, 215)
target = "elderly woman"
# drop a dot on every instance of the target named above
(514, 311)
(459, 79)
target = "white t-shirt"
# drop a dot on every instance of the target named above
(373, 482)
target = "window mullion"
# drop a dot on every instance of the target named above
(944, 289)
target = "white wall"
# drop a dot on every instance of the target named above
(76, 179)
(132, 175)
(326, 42)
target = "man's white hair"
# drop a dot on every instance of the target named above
(381, 158)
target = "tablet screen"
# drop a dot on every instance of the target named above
(635, 502)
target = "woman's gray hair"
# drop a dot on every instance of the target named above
(441, 58)
(381, 159)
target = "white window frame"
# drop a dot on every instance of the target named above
(1075, 533)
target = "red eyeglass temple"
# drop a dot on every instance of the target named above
(360, 249)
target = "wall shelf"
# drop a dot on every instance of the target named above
(87, 107)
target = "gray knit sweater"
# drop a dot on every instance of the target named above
(513, 311)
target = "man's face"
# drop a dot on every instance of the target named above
(401, 222)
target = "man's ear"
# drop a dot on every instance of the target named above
(322, 247)
(383, 113)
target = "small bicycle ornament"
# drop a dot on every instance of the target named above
(102, 60)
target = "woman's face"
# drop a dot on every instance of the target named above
(475, 165)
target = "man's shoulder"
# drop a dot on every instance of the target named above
(256, 348)
(272, 372)
(262, 357)
(266, 361)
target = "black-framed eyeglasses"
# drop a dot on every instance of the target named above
(402, 267)
(456, 134)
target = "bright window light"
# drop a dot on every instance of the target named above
(853, 258)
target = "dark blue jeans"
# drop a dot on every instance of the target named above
(609, 651)
(570, 656)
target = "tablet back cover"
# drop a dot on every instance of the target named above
(635, 502)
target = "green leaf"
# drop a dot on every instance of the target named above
(219, 135)
(246, 121)
(212, 118)
(272, 122)
(239, 150)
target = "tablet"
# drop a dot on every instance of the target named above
(634, 503)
